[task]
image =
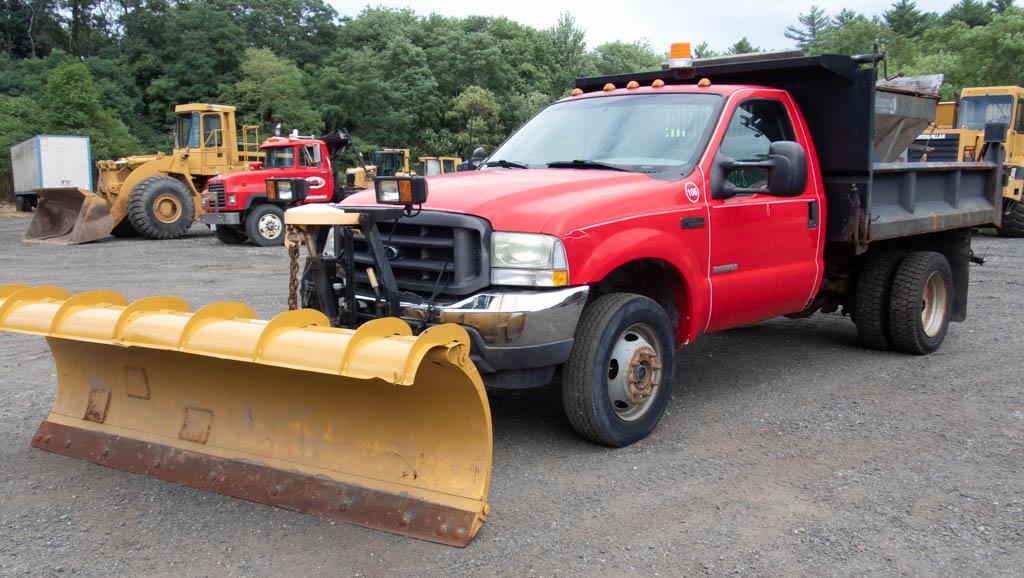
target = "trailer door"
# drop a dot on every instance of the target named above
(764, 249)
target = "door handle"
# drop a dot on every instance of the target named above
(812, 215)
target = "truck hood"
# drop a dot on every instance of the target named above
(530, 200)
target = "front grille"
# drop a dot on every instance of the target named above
(430, 252)
(218, 201)
(941, 148)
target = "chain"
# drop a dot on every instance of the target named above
(293, 240)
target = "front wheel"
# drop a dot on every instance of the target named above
(265, 225)
(161, 207)
(618, 379)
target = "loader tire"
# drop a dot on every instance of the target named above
(1013, 221)
(124, 229)
(921, 302)
(161, 208)
(871, 299)
(615, 338)
(230, 235)
(265, 225)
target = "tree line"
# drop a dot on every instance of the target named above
(114, 69)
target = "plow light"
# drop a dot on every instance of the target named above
(406, 191)
(680, 55)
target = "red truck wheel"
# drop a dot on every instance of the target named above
(871, 299)
(265, 225)
(618, 379)
(921, 300)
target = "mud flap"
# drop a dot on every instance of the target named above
(69, 217)
(373, 427)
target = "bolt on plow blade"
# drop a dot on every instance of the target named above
(374, 427)
(69, 217)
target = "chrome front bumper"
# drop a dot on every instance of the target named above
(514, 329)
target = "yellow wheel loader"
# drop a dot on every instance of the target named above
(156, 196)
(373, 426)
(384, 163)
(438, 165)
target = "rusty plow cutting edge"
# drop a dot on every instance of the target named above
(374, 427)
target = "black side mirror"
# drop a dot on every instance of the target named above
(477, 157)
(786, 166)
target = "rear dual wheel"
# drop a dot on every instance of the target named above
(904, 302)
(1013, 220)
(618, 379)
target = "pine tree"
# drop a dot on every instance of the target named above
(743, 46)
(811, 24)
(905, 19)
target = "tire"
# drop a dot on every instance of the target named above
(124, 229)
(22, 204)
(230, 235)
(871, 299)
(161, 208)
(265, 225)
(604, 328)
(920, 303)
(1013, 221)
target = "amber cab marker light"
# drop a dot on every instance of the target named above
(609, 86)
(576, 92)
(704, 82)
(658, 83)
(633, 84)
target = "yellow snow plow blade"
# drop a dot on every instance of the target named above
(69, 216)
(374, 427)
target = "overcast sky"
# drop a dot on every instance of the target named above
(662, 22)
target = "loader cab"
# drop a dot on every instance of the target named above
(391, 162)
(205, 138)
(438, 165)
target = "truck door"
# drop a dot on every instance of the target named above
(764, 249)
(315, 168)
(213, 143)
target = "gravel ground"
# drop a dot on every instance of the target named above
(787, 449)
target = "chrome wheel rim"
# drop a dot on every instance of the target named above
(634, 372)
(933, 304)
(269, 226)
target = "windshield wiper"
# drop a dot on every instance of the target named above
(506, 164)
(581, 164)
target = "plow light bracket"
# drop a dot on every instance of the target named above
(407, 191)
(287, 190)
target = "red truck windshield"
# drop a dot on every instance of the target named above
(649, 133)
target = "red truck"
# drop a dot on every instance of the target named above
(237, 205)
(648, 209)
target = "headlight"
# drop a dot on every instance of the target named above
(528, 259)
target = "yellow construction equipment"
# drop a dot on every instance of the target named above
(373, 427)
(384, 163)
(438, 165)
(958, 134)
(156, 196)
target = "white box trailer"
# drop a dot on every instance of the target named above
(50, 161)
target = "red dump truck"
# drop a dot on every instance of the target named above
(648, 209)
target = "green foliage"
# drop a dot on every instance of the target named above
(905, 19)
(622, 57)
(743, 46)
(273, 90)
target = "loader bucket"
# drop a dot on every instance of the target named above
(374, 427)
(69, 217)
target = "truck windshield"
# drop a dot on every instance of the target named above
(976, 111)
(649, 133)
(186, 134)
(280, 158)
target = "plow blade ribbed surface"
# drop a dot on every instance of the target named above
(374, 427)
(69, 217)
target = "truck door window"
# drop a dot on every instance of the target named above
(187, 135)
(211, 130)
(755, 125)
(308, 157)
(1018, 124)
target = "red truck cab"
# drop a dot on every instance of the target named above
(237, 206)
(647, 209)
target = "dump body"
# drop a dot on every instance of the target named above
(50, 161)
